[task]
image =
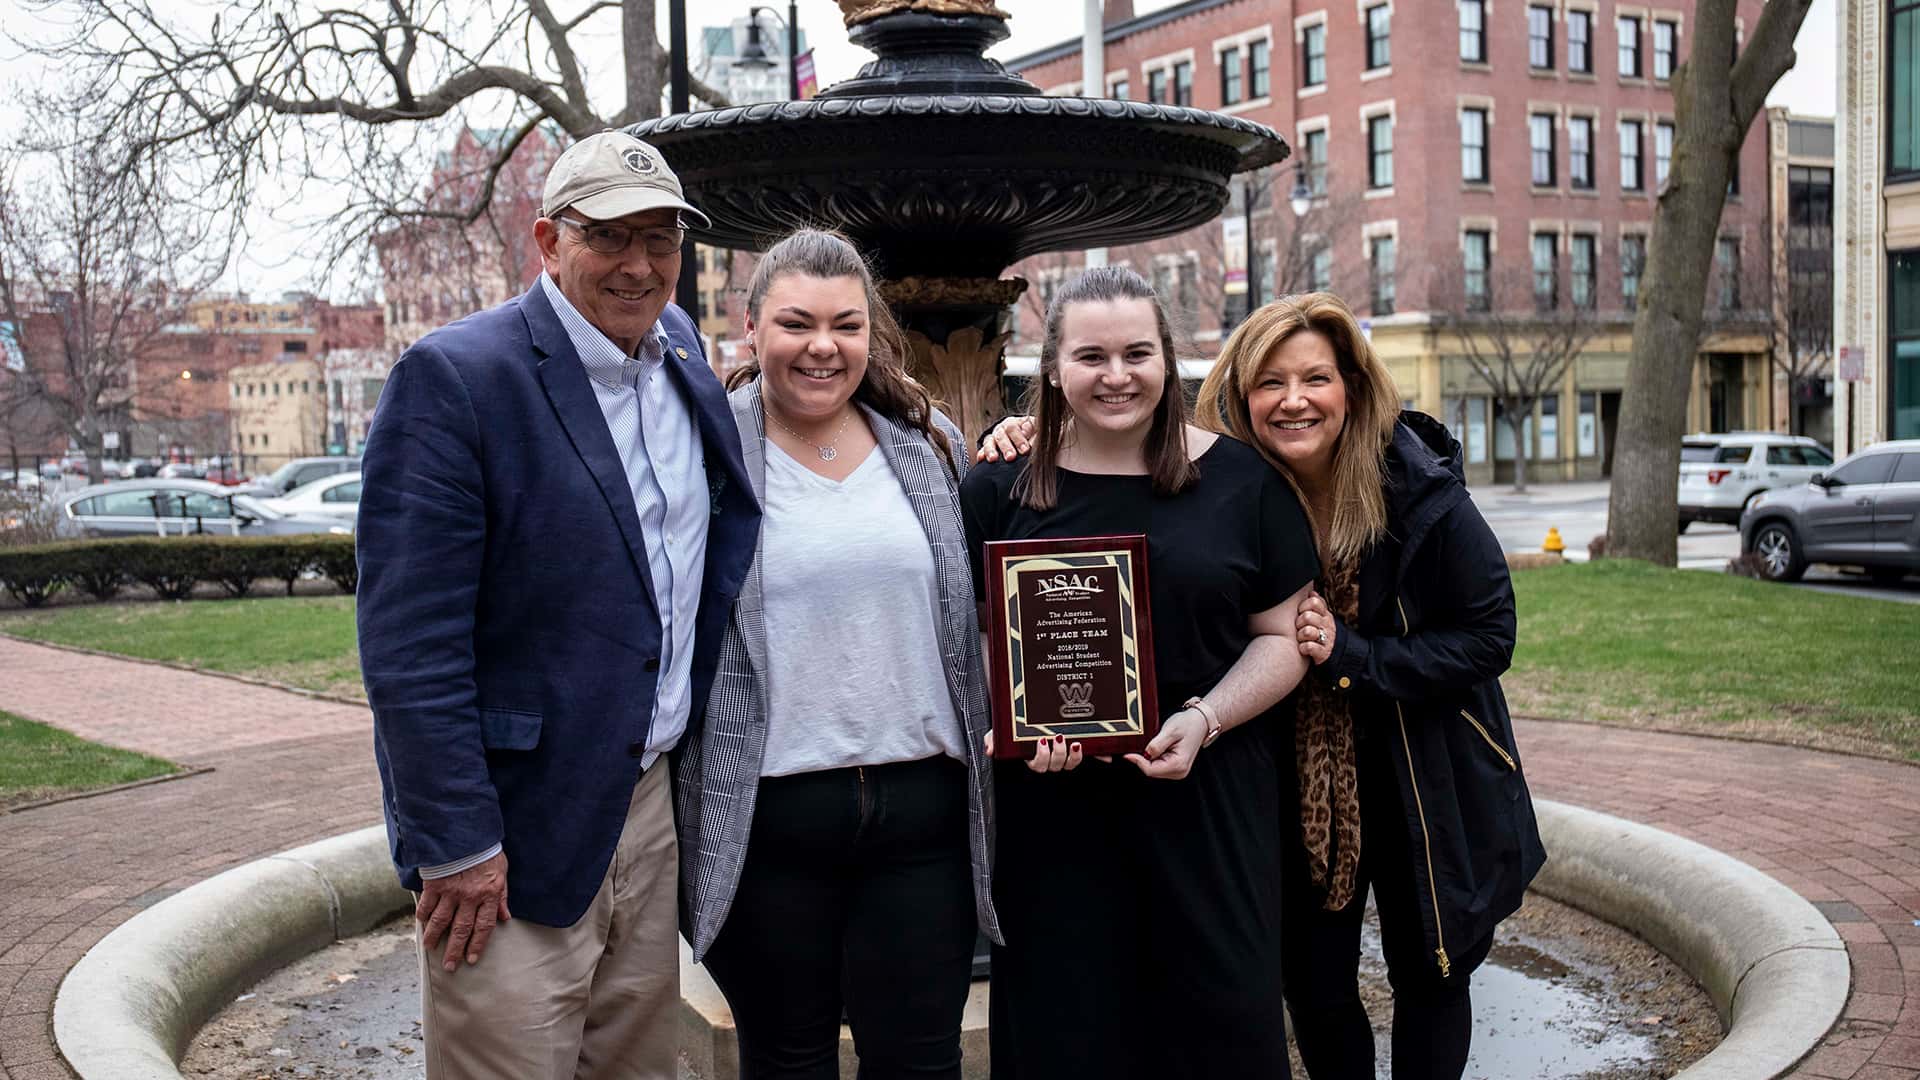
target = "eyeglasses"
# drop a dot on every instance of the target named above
(614, 239)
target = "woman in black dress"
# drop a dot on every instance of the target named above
(1140, 899)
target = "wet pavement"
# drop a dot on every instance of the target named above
(1562, 996)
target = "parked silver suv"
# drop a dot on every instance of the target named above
(1865, 513)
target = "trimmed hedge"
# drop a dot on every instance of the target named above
(172, 566)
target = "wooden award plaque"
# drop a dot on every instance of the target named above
(1070, 644)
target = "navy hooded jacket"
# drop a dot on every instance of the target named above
(1423, 666)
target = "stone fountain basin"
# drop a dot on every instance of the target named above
(1774, 967)
(958, 185)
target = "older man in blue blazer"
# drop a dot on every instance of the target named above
(554, 522)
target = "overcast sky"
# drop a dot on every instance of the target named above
(1809, 89)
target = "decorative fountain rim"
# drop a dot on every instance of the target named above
(1271, 148)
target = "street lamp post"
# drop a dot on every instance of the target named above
(680, 93)
(792, 24)
(1258, 187)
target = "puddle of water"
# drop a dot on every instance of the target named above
(1528, 1025)
(1540, 1010)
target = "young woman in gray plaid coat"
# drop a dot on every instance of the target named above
(835, 805)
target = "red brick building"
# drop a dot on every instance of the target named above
(1459, 154)
(433, 271)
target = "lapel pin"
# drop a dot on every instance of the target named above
(682, 352)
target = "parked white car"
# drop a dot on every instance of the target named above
(336, 496)
(1721, 474)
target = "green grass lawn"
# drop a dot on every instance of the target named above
(37, 762)
(1615, 642)
(299, 641)
(1622, 642)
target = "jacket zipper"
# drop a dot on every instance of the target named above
(1497, 748)
(1419, 808)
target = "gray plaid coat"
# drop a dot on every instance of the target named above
(718, 774)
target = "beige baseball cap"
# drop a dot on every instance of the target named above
(612, 174)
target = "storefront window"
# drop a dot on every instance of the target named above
(1903, 353)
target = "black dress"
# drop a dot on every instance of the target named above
(1142, 917)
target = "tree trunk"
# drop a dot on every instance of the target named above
(1715, 100)
(646, 67)
(1516, 423)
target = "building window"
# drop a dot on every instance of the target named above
(1666, 44)
(1380, 258)
(1662, 153)
(1320, 271)
(1540, 38)
(1628, 29)
(1473, 31)
(1121, 90)
(1903, 91)
(1473, 146)
(1314, 150)
(1633, 261)
(1903, 351)
(1314, 154)
(1630, 139)
(1379, 36)
(1580, 42)
(1313, 55)
(1476, 250)
(1580, 152)
(1232, 87)
(1260, 69)
(1726, 260)
(1380, 152)
(1183, 83)
(1157, 86)
(1546, 271)
(1581, 249)
(293, 346)
(1540, 137)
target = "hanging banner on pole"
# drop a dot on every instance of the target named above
(1233, 243)
(804, 75)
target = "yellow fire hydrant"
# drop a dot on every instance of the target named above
(1553, 543)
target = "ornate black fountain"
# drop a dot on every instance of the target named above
(946, 169)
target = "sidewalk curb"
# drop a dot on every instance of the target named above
(1773, 965)
(1776, 969)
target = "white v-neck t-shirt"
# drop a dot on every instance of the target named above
(851, 606)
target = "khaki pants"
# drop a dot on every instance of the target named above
(593, 1001)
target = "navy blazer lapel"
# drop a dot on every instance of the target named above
(571, 392)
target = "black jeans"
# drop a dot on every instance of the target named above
(1432, 1016)
(857, 890)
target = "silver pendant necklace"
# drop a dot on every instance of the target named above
(828, 450)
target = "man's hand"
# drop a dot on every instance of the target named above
(465, 907)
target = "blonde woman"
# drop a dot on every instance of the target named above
(1405, 772)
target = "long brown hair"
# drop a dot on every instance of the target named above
(1359, 510)
(1038, 485)
(886, 388)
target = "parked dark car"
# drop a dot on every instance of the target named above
(1864, 513)
(298, 473)
(178, 508)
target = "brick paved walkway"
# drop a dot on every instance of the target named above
(1844, 832)
(288, 770)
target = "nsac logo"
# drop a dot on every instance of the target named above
(1069, 587)
(1076, 700)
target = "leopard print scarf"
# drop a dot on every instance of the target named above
(1324, 755)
